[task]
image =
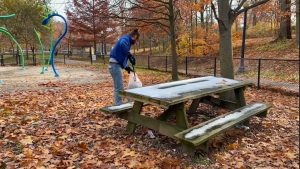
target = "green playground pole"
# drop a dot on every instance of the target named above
(7, 16)
(51, 37)
(5, 31)
(42, 48)
(51, 45)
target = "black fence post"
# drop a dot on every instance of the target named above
(258, 73)
(2, 60)
(103, 58)
(186, 65)
(215, 67)
(242, 64)
(166, 63)
(64, 59)
(34, 59)
(91, 55)
(148, 61)
(17, 59)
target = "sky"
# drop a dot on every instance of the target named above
(59, 6)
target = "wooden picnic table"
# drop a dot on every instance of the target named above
(172, 96)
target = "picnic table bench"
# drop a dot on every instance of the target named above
(173, 96)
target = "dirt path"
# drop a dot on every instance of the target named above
(14, 78)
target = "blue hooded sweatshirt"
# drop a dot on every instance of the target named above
(121, 50)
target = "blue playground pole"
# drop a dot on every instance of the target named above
(47, 21)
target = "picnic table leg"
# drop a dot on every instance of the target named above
(137, 107)
(181, 119)
(167, 113)
(240, 100)
(194, 106)
(189, 149)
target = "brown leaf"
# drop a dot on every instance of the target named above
(233, 146)
(27, 140)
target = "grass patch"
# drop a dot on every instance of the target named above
(278, 46)
(274, 76)
(201, 160)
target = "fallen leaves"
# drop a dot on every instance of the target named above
(52, 84)
(64, 128)
(170, 163)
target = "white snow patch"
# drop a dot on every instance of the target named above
(176, 89)
(122, 106)
(200, 131)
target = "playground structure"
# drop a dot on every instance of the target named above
(8, 34)
(51, 36)
(46, 21)
(42, 49)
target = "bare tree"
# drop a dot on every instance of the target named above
(86, 17)
(297, 21)
(162, 13)
(228, 10)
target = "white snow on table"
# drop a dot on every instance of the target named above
(122, 106)
(175, 89)
(200, 131)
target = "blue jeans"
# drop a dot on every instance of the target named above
(116, 73)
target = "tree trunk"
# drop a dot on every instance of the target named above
(225, 23)
(211, 17)
(164, 45)
(68, 49)
(297, 21)
(196, 17)
(144, 45)
(288, 19)
(150, 46)
(173, 41)
(27, 54)
(159, 45)
(202, 18)
(207, 20)
(236, 24)
(191, 34)
(95, 46)
(105, 51)
(254, 19)
(102, 47)
(285, 20)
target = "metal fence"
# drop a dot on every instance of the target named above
(277, 73)
(35, 58)
(15, 59)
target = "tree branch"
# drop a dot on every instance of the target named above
(239, 6)
(216, 16)
(249, 7)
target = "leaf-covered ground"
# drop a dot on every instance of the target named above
(62, 127)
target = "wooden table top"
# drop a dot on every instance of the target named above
(171, 93)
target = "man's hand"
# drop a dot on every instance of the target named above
(131, 59)
(128, 69)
